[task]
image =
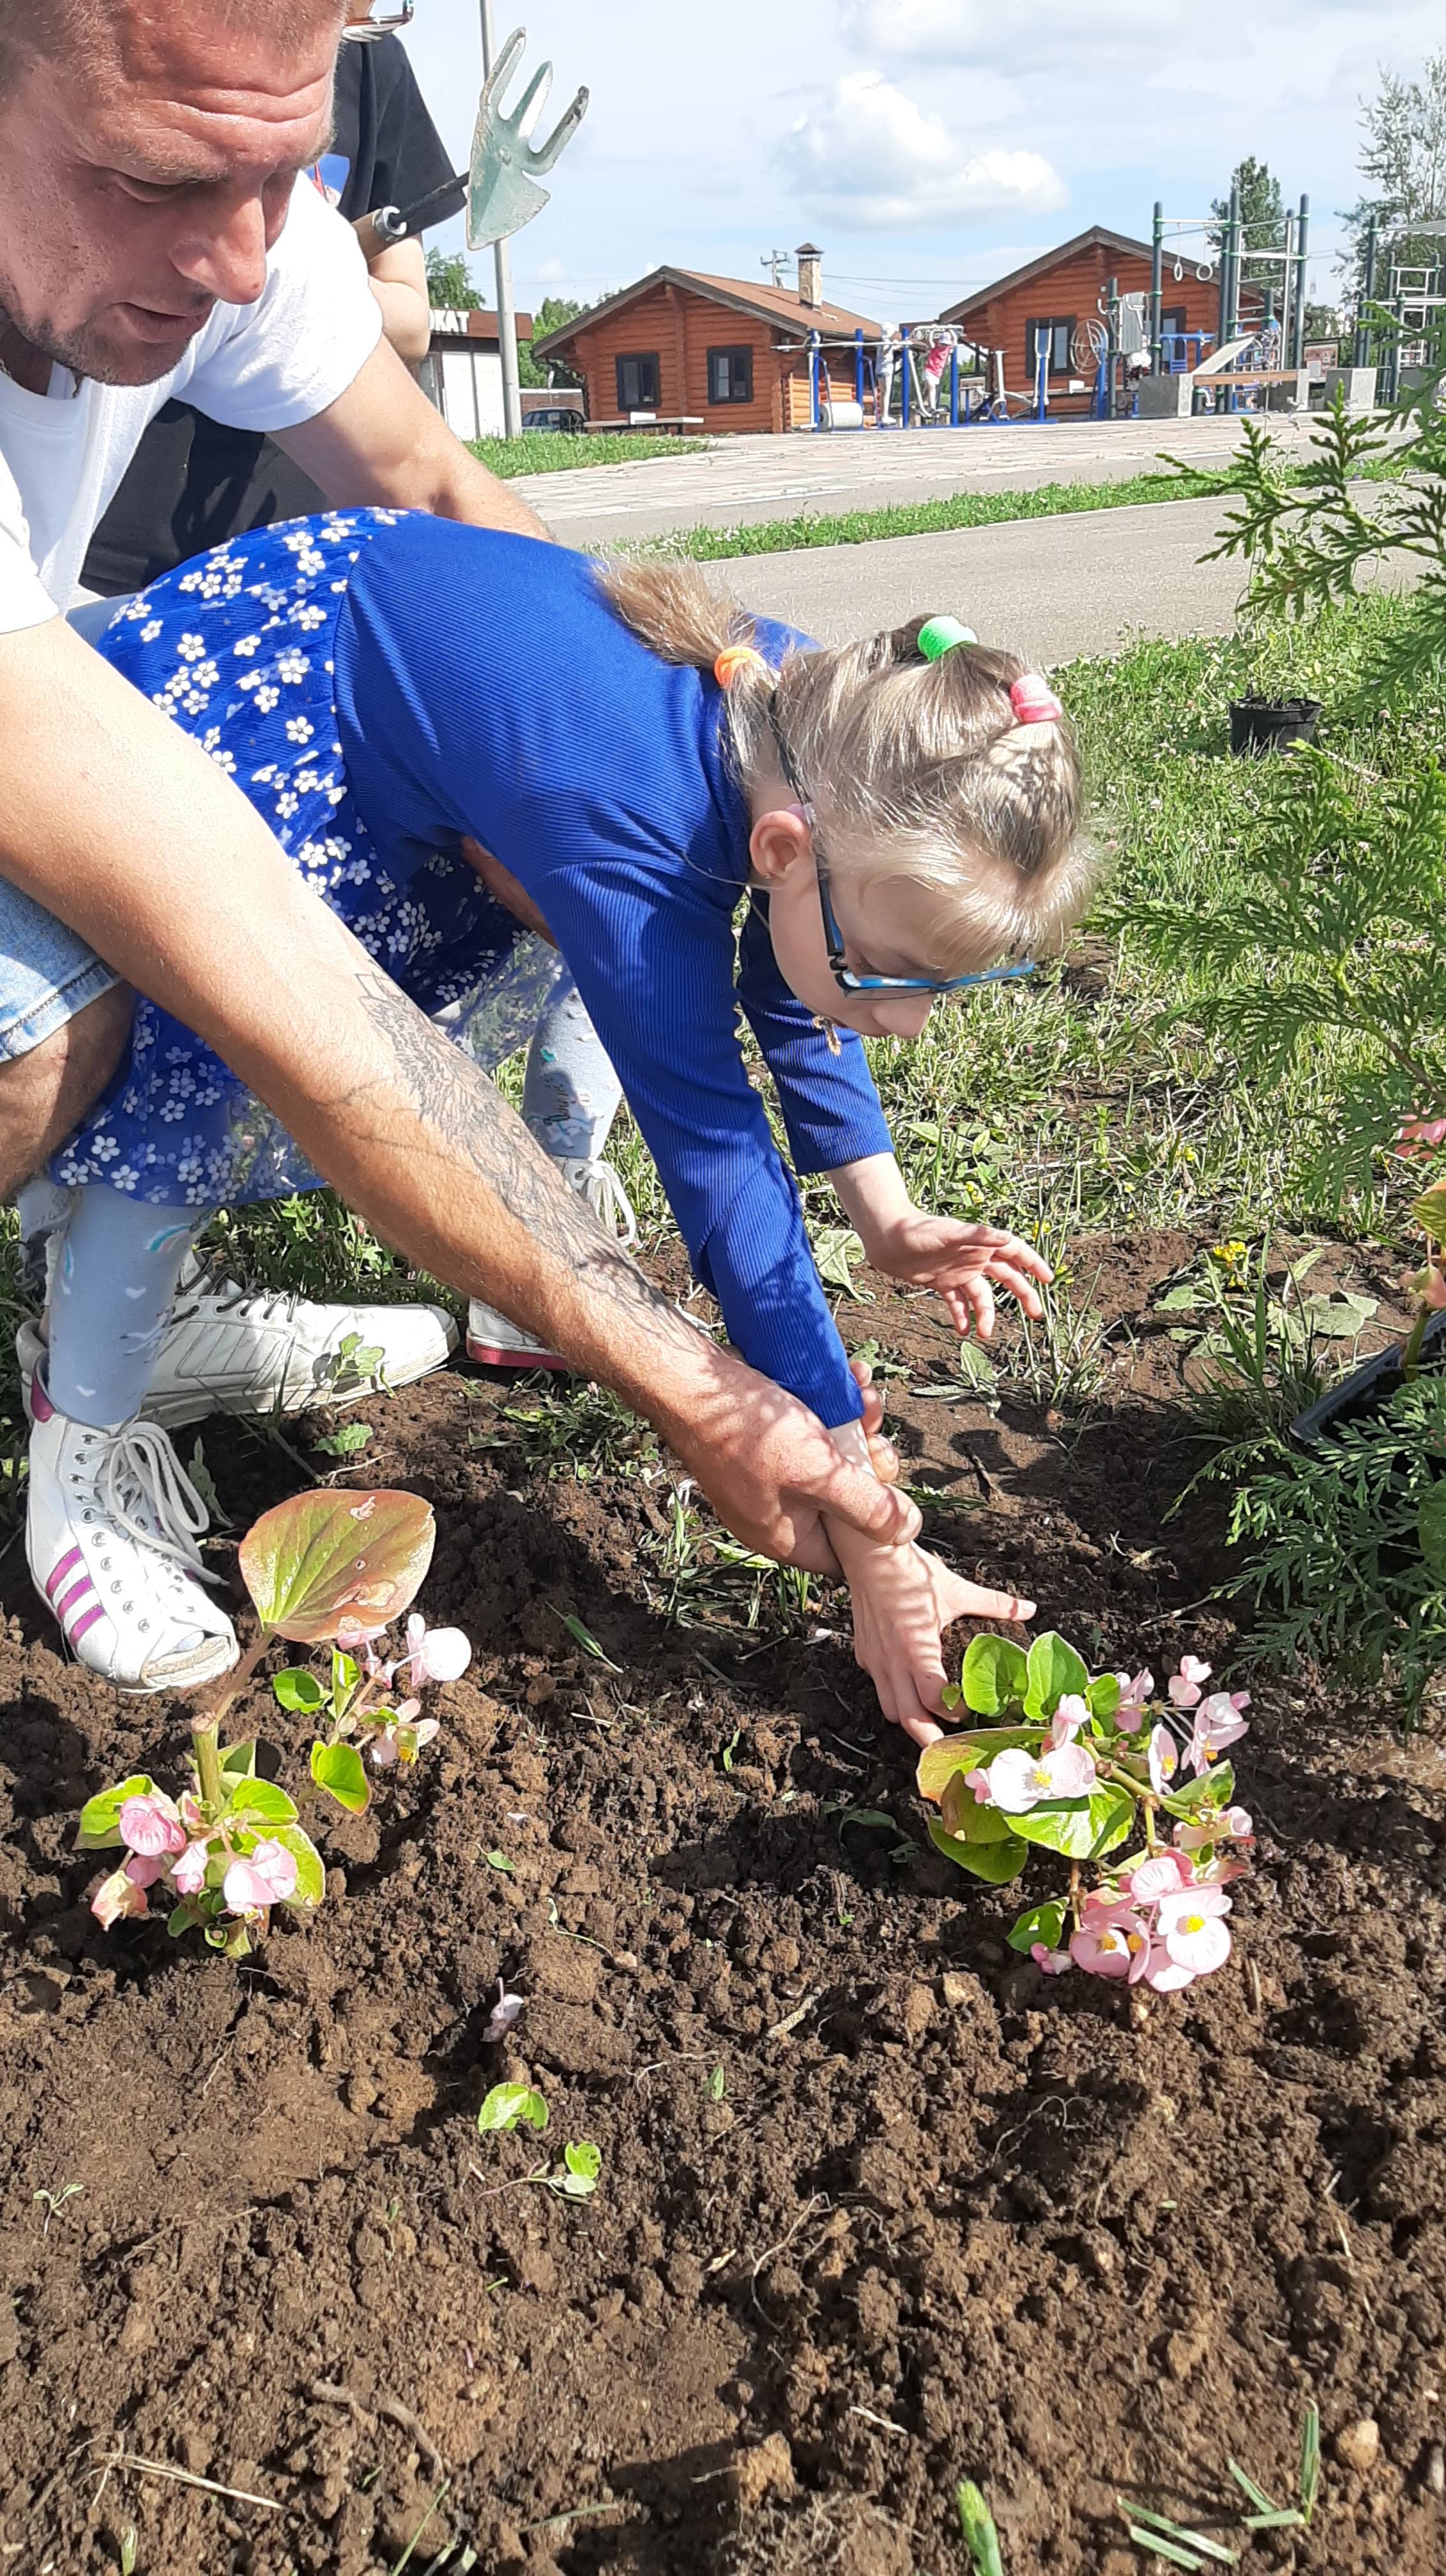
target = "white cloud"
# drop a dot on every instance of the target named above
(870, 152)
(977, 31)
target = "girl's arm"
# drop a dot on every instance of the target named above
(959, 1261)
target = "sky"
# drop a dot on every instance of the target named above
(929, 146)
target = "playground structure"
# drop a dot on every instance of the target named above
(1412, 305)
(932, 375)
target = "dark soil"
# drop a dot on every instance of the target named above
(880, 2206)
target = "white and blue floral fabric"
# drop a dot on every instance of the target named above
(238, 648)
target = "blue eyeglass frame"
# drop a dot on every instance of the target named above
(849, 982)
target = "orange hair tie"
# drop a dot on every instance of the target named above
(733, 659)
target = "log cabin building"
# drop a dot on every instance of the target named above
(1063, 291)
(718, 350)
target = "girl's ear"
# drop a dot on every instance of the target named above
(780, 841)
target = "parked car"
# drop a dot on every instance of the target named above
(563, 416)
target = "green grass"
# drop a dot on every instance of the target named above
(557, 451)
(933, 518)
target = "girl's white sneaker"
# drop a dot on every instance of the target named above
(111, 1525)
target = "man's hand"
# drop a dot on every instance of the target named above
(382, 442)
(770, 1469)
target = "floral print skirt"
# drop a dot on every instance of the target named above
(238, 648)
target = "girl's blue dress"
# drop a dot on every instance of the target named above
(381, 684)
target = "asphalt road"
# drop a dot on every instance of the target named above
(741, 481)
(1049, 589)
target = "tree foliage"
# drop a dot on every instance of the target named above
(450, 284)
(1262, 215)
(1403, 161)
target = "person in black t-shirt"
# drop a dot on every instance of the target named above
(193, 482)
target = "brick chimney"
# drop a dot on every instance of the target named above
(810, 274)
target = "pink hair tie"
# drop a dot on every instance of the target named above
(1034, 702)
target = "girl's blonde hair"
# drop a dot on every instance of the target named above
(916, 769)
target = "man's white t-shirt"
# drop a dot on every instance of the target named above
(265, 365)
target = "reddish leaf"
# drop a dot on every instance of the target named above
(324, 1563)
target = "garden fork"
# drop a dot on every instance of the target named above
(498, 187)
(503, 194)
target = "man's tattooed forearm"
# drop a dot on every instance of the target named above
(476, 1129)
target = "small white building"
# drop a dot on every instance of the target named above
(462, 371)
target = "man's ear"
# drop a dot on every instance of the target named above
(779, 842)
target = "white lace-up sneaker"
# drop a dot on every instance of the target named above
(230, 1349)
(496, 1343)
(111, 1525)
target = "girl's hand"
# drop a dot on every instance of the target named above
(959, 1261)
(903, 1599)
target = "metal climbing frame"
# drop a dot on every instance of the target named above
(1235, 250)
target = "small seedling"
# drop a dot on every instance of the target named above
(129, 2550)
(585, 1638)
(1309, 2460)
(977, 2525)
(577, 2176)
(498, 1860)
(717, 2085)
(509, 2104)
(53, 2202)
(1156, 2534)
(346, 1442)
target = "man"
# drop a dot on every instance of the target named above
(193, 482)
(151, 158)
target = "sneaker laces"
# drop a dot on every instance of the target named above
(141, 1473)
(227, 1296)
(600, 1186)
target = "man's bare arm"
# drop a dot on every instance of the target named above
(119, 823)
(383, 442)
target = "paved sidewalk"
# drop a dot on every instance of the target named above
(1048, 588)
(744, 480)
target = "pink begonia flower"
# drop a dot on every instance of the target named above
(978, 1781)
(152, 1823)
(1233, 1825)
(1113, 1951)
(1429, 1285)
(266, 1877)
(188, 1875)
(1218, 1722)
(1050, 1963)
(191, 1814)
(1184, 1686)
(1192, 1928)
(1166, 1976)
(116, 1897)
(352, 1638)
(435, 1654)
(1163, 1874)
(1136, 1692)
(504, 2014)
(144, 1868)
(1164, 1759)
(1019, 1779)
(1219, 1871)
(402, 1740)
(1072, 1713)
(1421, 1131)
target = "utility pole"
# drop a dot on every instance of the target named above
(502, 256)
(775, 261)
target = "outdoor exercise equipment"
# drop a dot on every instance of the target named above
(1282, 314)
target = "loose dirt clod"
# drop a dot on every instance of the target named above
(1356, 2445)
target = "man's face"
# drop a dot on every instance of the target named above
(145, 190)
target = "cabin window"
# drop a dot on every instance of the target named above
(1059, 335)
(730, 375)
(638, 381)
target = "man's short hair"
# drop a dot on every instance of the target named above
(94, 31)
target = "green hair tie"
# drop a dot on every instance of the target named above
(939, 635)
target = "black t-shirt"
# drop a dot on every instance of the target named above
(192, 482)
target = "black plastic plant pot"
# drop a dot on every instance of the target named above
(1259, 725)
(1367, 1390)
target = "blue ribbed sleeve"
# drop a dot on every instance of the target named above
(484, 687)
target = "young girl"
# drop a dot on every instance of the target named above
(457, 733)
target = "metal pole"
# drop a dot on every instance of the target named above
(1233, 312)
(502, 260)
(1302, 236)
(954, 386)
(905, 363)
(1361, 350)
(1157, 287)
(859, 370)
(1112, 336)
